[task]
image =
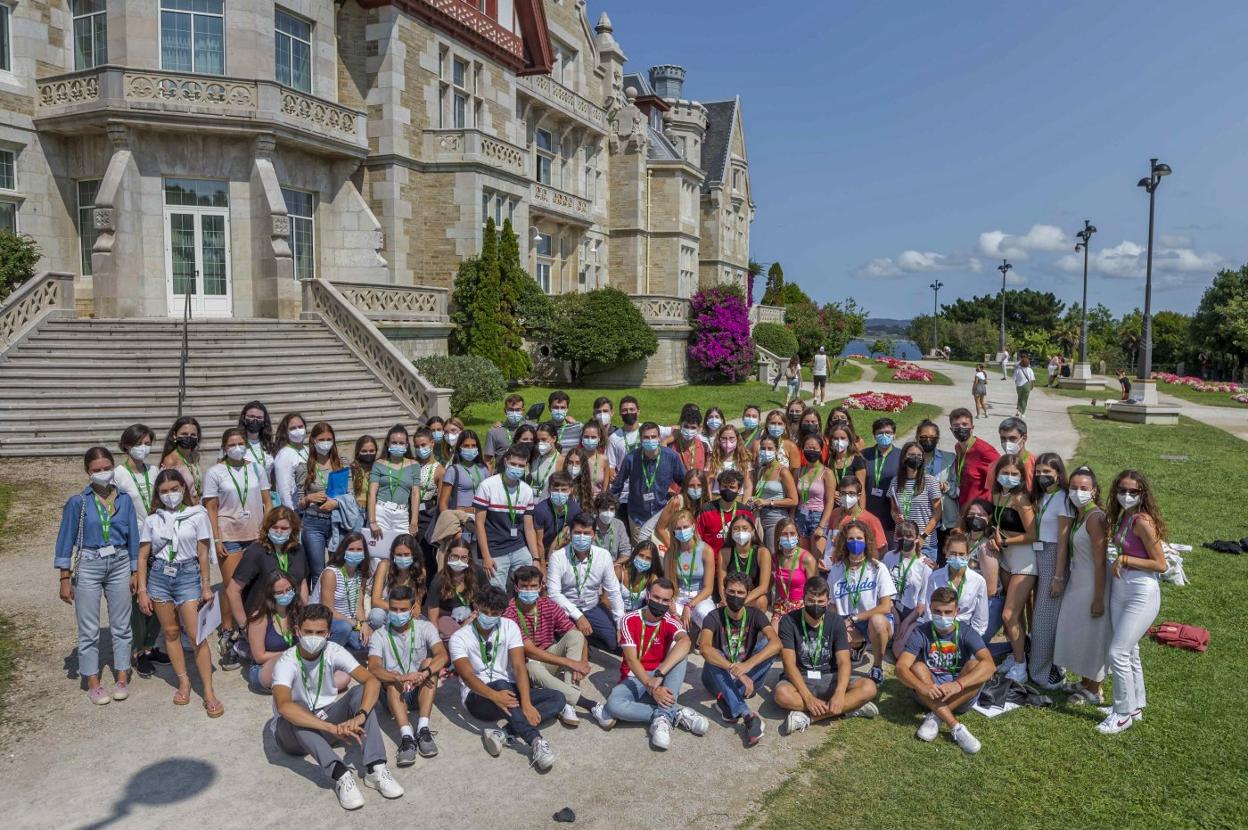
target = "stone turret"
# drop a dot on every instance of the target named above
(686, 122)
(668, 80)
(612, 59)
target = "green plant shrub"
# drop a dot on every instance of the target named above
(775, 338)
(474, 379)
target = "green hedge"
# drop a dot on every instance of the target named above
(775, 338)
(473, 378)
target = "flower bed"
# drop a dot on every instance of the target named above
(1199, 385)
(904, 370)
(878, 401)
(1240, 398)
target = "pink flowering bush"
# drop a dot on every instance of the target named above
(1198, 384)
(904, 370)
(720, 344)
(1240, 398)
(878, 401)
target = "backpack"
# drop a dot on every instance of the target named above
(1180, 635)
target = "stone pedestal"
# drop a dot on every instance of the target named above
(1144, 407)
(1081, 378)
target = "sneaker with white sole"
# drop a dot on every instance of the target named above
(602, 717)
(929, 728)
(1017, 673)
(424, 743)
(406, 756)
(541, 756)
(866, 710)
(349, 795)
(660, 733)
(568, 716)
(493, 740)
(691, 721)
(1082, 696)
(964, 739)
(1137, 715)
(1115, 723)
(381, 780)
(796, 722)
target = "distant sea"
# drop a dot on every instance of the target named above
(902, 349)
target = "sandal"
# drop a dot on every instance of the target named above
(181, 697)
(214, 710)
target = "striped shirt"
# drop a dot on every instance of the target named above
(542, 626)
(505, 509)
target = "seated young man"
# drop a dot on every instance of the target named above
(552, 514)
(309, 719)
(576, 578)
(488, 656)
(946, 664)
(814, 649)
(406, 656)
(557, 651)
(656, 649)
(738, 646)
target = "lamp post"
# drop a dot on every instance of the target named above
(1149, 183)
(1085, 236)
(1004, 268)
(935, 286)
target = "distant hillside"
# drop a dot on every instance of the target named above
(886, 325)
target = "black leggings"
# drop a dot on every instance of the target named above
(547, 702)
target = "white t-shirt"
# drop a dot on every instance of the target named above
(176, 534)
(1023, 375)
(140, 487)
(820, 364)
(402, 652)
(870, 584)
(1052, 507)
(911, 591)
(497, 647)
(972, 604)
(284, 472)
(238, 522)
(302, 676)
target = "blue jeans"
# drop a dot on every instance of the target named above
(547, 702)
(506, 564)
(604, 634)
(342, 633)
(316, 533)
(631, 701)
(721, 682)
(106, 578)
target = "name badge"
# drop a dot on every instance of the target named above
(1037, 546)
(647, 497)
(170, 570)
(107, 550)
(246, 514)
(814, 675)
(323, 714)
(515, 532)
(877, 492)
(420, 507)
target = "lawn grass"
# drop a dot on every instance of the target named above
(843, 371)
(884, 374)
(1183, 766)
(8, 634)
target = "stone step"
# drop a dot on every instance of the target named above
(136, 358)
(112, 424)
(165, 402)
(44, 392)
(218, 383)
(143, 341)
(172, 324)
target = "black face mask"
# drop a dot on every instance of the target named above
(188, 442)
(728, 495)
(734, 603)
(814, 611)
(905, 545)
(812, 456)
(962, 433)
(794, 417)
(839, 423)
(927, 444)
(914, 462)
(253, 425)
(629, 418)
(1045, 481)
(977, 523)
(808, 429)
(366, 457)
(657, 609)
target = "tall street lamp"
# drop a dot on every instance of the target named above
(1085, 236)
(1149, 183)
(1004, 268)
(935, 286)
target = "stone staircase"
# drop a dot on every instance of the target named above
(69, 384)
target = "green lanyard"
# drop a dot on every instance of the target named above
(245, 489)
(940, 642)
(320, 680)
(648, 480)
(794, 563)
(903, 575)
(961, 585)
(762, 479)
(524, 626)
(393, 477)
(607, 540)
(814, 645)
(487, 651)
(1080, 520)
(1123, 529)
(646, 642)
(855, 591)
(734, 643)
(538, 480)
(906, 498)
(686, 574)
(635, 596)
(878, 462)
(998, 510)
(966, 449)
(475, 475)
(1049, 498)
(411, 649)
(808, 479)
(106, 521)
(257, 452)
(192, 468)
(748, 437)
(284, 630)
(749, 560)
(726, 519)
(173, 540)
(511, 504)
(283, 560)
(140, 483)
(353, 594)
(577, 575)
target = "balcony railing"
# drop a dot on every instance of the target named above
(474, 146)
(766, 314)
(662, 310)
(108, 91)
(415, 303)
(576, 106)
(561, 203)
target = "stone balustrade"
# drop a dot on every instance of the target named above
(662, 310)
(766, 314)
(475, 147)
(567, 205)
(397, 302)
(564, 100)
(41, 296)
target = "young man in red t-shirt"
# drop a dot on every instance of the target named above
(973, 460)
(716, 518)
(656, 649)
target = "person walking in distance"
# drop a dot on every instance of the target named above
(819, 371)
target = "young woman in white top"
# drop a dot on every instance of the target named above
(1053, 510)
(173, 580)
(545, 462)
(1014, 520)
(863, 591)
(1083, 626)
(691, 565)
(979, 390)
(793, 377)
(910, 572)
(342, 587)
(254, 420)
(181, 453)
(292, 437)
(137, 479)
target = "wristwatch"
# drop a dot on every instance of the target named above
(657, 674)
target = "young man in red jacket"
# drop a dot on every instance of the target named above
(974, 459)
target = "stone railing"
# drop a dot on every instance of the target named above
(109, 90)
(397, 302)
(321, 298)
(766, 314)
(576, 106)
(474, 147)
(41, 296)
(770, 364)
(545, 197)
(661, 310)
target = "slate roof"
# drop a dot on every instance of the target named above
(640, 81)
(722, 116)
(660, 148)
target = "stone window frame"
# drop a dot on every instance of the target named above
(11, 198)
(544, 154)
(301, 223)
(86, 223)
(194, 70)
(98, 15)
(6, 35)
(310, 42)
(545, 266)
(687, 279)
(498, 206)
(453, 90)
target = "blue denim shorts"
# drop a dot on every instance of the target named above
(176, 589)
(807, 521)
(235, 547)
(861, 625)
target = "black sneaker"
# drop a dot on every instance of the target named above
(406, 755)
(858, 656)
(753, 730)
(425, 744)
(143, 665)
(724, 711)
(158, 657)
(225, 648)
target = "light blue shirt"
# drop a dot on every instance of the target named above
(123, 531)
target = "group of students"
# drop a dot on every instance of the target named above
(434, 554)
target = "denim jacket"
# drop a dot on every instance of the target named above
(123, 529)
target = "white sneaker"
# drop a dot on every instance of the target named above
(866, 710)
(1017, 673)
(929, 728)
(691, 721)
(660, 733)
(541, 755)
(963, 737)
(1006, 664)
(1115, 723)
(1137, 715)
(383, 782)
(568, 716)
(493, 740)
(604, 720)
(349, 795)
(796, 722)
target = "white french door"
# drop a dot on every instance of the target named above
(197, 260)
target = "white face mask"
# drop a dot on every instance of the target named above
(457, 564)
(1128, 501)
(742, 537)
(297, 434)
(452, 438)
(312, 644)
(604, 418)
(1011, 447)
(1080, 497)
(840, 444)
(543, 447)
(171, 500)
(574, 470)
(323, 447)
(849, 502)
(605, 516)
(236, 453)
(141, 452)
(103, 478)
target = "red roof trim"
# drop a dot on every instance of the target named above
(539, 55)
(464, 21)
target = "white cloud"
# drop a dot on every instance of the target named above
(917, 262)
(1175, 240)
(1129, 260)
(1008, 246)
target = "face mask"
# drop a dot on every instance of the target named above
(629, 418)
(695, 493)
(604, 418)
(296, 435)
(914, 462)
(605, 516)
(838, 423)
(452, 438)
(353, 557)
(284, 598)
(794, 417)
(253, 425)
(657, 609)
(1128, 501)
(714, 423)
(728, 447)
(558, 499)
(102, 479)
(581, 541)
(683, 534)
(171, 500)
(641, 565)
(397, 450)
(558, 415)
(403, 562)
(775, 430)
(734, 603)
(312, 643)
(515, 473)
(883, 440)
(1046, 481)
(188, 442)
(589, 443)
(813, 611)
(366, 457)
(424, 451)
(528, 597)
(848, 501)
(766, 456)
(457, 565)
(840, 444)
(856, 547)
(323, 447)
(788, 542)
(437, 435)
(1010, 447)
(927, 444)
(1009, 482)
(514, 417)
(688, 434)
(749, 422)
(944, 623)
(574, 470)
(811, 456)
(469, 454)
(1080, 497)
(977, 523)
(141, 452)
(728, 495)
(956, 563)
(399, 619)
(278, 538)
(487, 621)
(962, 433)
(236, 453)
(743, 537)
(808, 429)
(649, 444)
(906, 545)
(543, 447)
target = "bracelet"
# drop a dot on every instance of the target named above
(960, 687)
(64, 578)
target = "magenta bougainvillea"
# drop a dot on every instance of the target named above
(720, 344)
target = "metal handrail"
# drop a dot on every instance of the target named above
(186, 320)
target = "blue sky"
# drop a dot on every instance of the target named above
(896, 143)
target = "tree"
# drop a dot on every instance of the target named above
(485, 332)
(491, 292)
(1220, 324)
(968, 341)
(752, 271)
(843, 322)
(1024, 309)
(1171, 339)
(601, 329)
(473, 379)
(18, 257)
(1128, 333)
(773, 292)
(882, 346)
(720, 343)
(463, 301)
(775, 338)
(804, 321)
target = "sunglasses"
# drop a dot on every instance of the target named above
(1129, 491)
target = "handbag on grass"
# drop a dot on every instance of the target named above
(1181, 635)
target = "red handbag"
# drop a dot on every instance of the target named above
(1181, 635)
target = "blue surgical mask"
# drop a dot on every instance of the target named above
(398, 619)
(649, 444)
(582, 541)
(515, 473)
(469, 454)
(558, 415)
(694, 493)
(683, 534)
(424, 451)
(766, 456)
(284, 598)
(775, 430)
(437, 435)
(749, 422)
(714, 423)
(398, 449)
(558, 499)
(487, 621)
(589, 443)
(403, 562)
(856, 547)
(1008, 482)
(514, 416)
(956, 563)
(353, 557)
(279, 538)
(641, 565)
(884, 439)
(788, 542)
(944, 623)
(688, 434)
(528, 597)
